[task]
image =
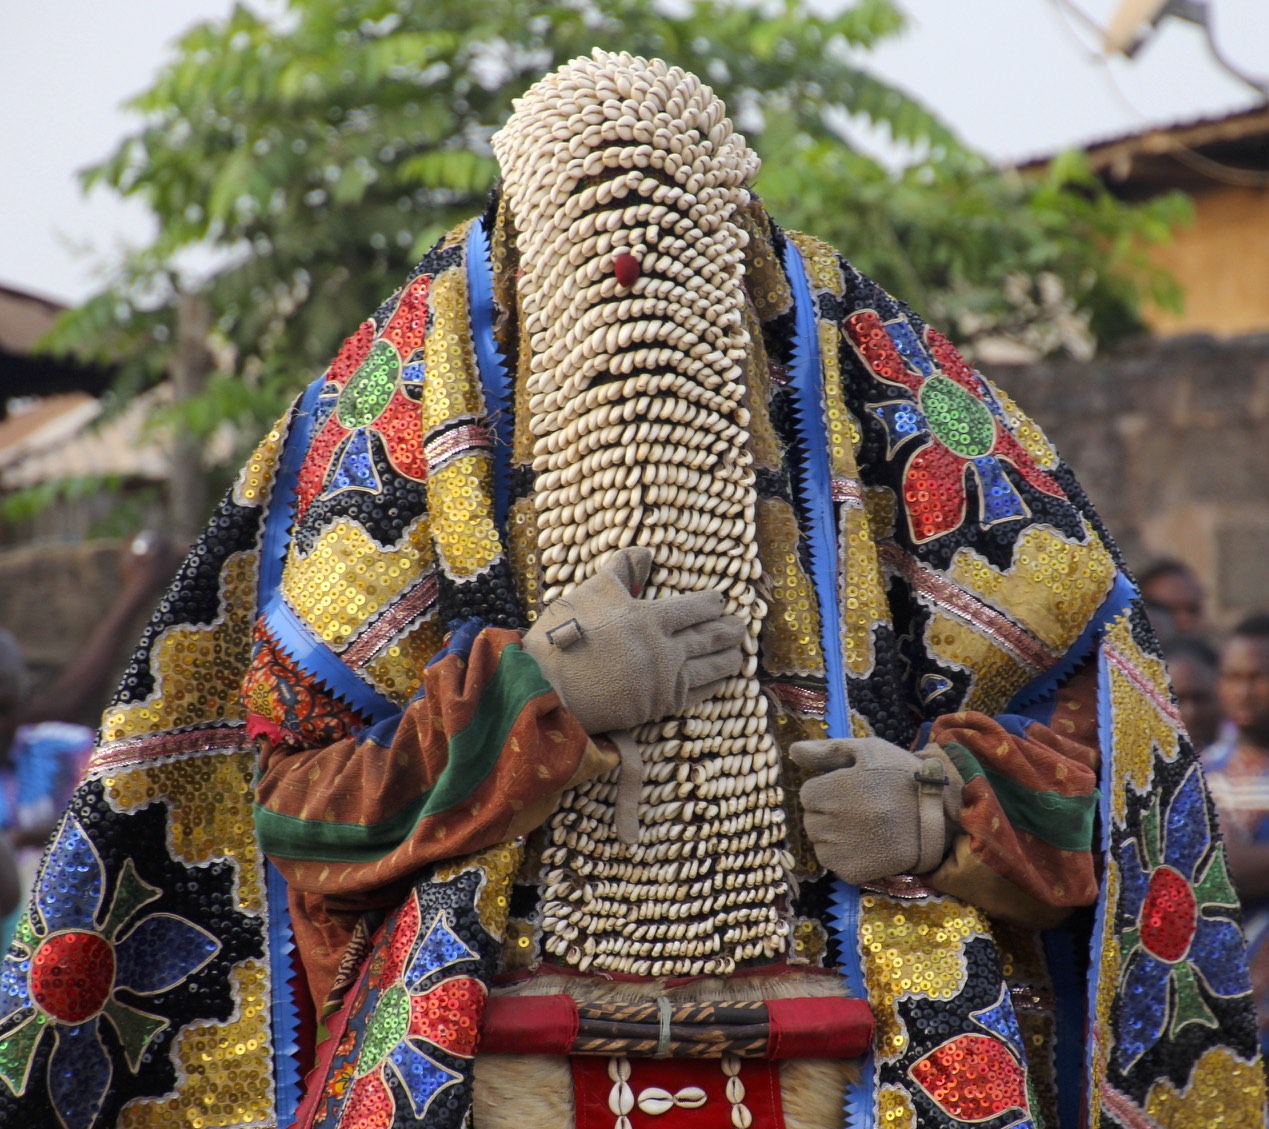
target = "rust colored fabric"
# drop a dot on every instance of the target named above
(479, 757)
(1030, 790)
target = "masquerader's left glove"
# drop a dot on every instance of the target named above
(872, 809)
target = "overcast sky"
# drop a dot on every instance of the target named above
(1015, 77)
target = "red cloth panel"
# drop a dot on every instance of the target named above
(688, 1093)
(813, 1027)
(532, 1025)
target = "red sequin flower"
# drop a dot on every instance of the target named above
(1172, 875)
(66, 967)
(409, 1022)
(976, 1077)
(368, 409)
(952, 426)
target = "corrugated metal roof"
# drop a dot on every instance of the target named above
(63, 437)
(1241, 138)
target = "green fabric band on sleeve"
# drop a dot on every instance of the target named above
(473, 752)
(1064, 822)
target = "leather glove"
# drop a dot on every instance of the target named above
(872, 809)
(618, 661)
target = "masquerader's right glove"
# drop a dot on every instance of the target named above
(618, 661)
(872, 809)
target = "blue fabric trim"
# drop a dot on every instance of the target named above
(817, 497)
(461, 639)
(1014, 724)
(292, 634)
(277, 523)
(284, 1019)
(494, 375)
(314, 657)
(1103, 912)
(284, 1014)
(383, 733)
(1122, 593)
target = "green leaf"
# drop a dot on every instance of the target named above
(314, 153)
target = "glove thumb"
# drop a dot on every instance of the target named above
(822, 756)
(631, 567)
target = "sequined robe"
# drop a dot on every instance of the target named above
(961, 581)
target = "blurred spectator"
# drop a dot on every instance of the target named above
(1194, 664)
(1238, 770)
(40, 765)
(1172, 587)
(42, 757)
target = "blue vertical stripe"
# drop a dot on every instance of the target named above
(821, 532)
(495, 377)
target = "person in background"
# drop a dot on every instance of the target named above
(1172, 587)
(42, 756)
(1238, 773)
(40, 764)
(1193, 664)
(546, 510)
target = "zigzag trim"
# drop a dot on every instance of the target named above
(816, 481)
(293, 637)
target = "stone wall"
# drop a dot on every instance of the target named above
(52, 596)
(1171, 440)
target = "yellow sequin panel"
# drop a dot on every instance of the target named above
(843, 428)
(522, 434)
(791, 631)
(1029, 436)
(764, 279)
(860, 726)
(912, 949)
(397, 671)
(255, 480)
(763, 443)
(493, 903)
(882, 508)
(224, 1070)
(347, 578)
(504, 264)
(197, 670)
(1223, 1090)
(810, 942)
(895, 1108)
(209, 801)
(461, 509)
(823, 267)
(997, 675)
(863, 595)
(1139, 729)
(457, 237)
(452, 388)
(1052, 588)
(522, 547)
(518, 949)
(1107, 987)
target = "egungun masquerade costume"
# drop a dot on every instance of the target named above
(623, 389)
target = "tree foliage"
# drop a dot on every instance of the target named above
(307, 159)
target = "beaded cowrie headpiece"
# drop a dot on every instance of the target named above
(622, 179)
